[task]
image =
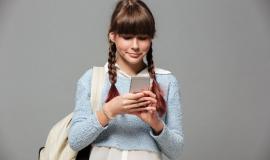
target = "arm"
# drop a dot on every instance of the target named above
(85, 125)
(170, 140)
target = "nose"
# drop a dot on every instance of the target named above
(135, 45)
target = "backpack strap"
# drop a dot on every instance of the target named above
(98, 77)
(97, 84)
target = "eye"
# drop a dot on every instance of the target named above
(142, 37)
(127, 37)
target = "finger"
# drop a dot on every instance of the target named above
(133, 96)
(136, 110)
(134, 113)
(149, 93)
(151, 108)
(132, 101)
(138, 105)
(153, 100)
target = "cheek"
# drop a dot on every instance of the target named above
(145, 46)
(122, 45)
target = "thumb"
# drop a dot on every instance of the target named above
(135, 113)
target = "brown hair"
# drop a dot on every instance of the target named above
(135, 18)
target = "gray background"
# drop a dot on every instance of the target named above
(218, 49)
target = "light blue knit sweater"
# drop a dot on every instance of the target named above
(128, 132)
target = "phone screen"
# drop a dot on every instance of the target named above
(139, 84)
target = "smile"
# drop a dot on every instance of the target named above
(134, 55)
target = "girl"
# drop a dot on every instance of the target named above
(130, 126)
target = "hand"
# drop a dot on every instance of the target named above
(150, 116)
(127, 103)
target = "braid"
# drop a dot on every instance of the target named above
(161, 104)
(150, 63)
(111, 63)
(113, 92)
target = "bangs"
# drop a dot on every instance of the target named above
(134, 21)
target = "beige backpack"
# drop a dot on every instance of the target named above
(57, 146)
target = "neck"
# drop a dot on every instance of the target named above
(131, 69)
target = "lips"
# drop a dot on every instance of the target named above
(134, 55)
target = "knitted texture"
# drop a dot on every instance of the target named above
(127, 132)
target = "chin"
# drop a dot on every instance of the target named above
(132, 61)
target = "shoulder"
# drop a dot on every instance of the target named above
(162, 71)
(85, 76)
(165, 76)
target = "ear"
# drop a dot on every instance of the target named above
(112, 36)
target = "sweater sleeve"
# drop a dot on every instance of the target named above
(85, 126)
(171, 139)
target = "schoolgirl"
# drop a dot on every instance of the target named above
(129, 126)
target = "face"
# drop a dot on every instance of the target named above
(131, 48)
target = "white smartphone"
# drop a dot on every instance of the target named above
(139, 84)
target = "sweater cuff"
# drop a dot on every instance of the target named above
(161, 134)
(97, 123)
